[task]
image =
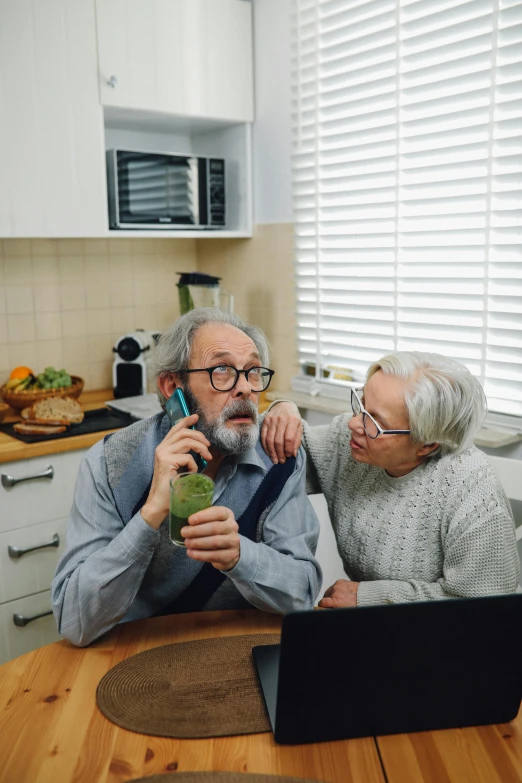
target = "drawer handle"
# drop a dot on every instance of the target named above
(21, 621)
(15, 552)
(10, 481)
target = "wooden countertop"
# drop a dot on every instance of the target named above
(12, 449)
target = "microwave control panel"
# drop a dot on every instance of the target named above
(216, 189)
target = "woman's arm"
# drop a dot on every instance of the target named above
(281, 430)
(479, 550)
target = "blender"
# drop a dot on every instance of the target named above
(197, 289)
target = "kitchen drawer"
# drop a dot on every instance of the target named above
(31, 572)
(38, 500)
(17, 641)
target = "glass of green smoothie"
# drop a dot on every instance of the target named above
(189, 492)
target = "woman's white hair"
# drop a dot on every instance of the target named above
(444, 401)
(172, 353)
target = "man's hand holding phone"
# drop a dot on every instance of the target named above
(173, 454)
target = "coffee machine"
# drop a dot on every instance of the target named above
(131, 369)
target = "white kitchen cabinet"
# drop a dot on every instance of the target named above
(40, 628)
(33, 520)
(184, 57)
(52, 165)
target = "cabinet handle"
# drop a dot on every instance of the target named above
(10, 481)
(15, 552)
(112, 81)
(21, 621)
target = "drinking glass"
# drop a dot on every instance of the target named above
(189, 493)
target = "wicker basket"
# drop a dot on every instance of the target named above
(26, 398)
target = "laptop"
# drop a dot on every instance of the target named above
(343, 673)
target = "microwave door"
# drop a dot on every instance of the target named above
(157, 190)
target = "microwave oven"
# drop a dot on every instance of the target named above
(165, 191)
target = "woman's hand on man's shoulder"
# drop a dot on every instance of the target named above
(282, 431)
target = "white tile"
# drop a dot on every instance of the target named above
(48, 326)
(18, 270)
(75, 351)
(72, 269)
(146, 317)
(144, 292)
(74, 323)
(16, 247)
(120, 268)
(4, 336)
(71, 247)
(95, 247)
(97, 296)
(100, 375)
(72, 296)
(5, 367)
(100, 348)
(50, 354)
(98, 322)
(47, 298)
(21, 328)
(19, 299)
(121, 293)
(122, 320)
(97, 270)
(44, 247)
(46, 270)
(23, 354)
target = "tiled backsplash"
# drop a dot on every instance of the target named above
(64, 302)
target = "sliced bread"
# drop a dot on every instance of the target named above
(37, 429)
(54, 410)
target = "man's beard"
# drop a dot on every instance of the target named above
(227, 440)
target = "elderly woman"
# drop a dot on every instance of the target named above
(418, 511)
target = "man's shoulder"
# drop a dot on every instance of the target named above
(120, 446)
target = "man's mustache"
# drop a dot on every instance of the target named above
(239, 408)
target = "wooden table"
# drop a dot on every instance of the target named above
(52, 732)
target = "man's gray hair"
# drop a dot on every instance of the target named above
(445, 402)
(172, 353)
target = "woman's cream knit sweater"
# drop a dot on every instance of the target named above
(444, 530)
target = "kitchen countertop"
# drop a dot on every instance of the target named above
(12, 449)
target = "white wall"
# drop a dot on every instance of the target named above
(272, 128)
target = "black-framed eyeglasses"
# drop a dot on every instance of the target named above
(371, 427)
(223, 377)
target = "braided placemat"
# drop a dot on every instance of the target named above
(219, 777)
(206, 688)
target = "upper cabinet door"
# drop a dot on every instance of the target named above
(185, 57)
(52, 172)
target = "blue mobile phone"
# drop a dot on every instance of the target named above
(177, 409)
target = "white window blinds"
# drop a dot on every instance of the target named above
(407, 182)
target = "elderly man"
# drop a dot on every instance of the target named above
(119, 563)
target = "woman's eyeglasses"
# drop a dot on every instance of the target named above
(371, 427)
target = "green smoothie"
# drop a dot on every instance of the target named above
(188, 493)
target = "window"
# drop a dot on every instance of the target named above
(407, 183)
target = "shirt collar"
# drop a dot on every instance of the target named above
(250, 457)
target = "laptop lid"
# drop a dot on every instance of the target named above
(398, 668)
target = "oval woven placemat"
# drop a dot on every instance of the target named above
(219, 777)
(206, 688)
